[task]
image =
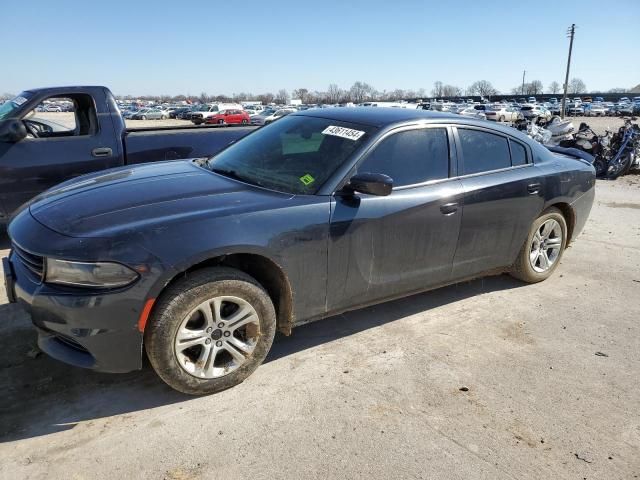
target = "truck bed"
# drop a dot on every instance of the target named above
(144, 145)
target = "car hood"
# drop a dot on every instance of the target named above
(134, 198)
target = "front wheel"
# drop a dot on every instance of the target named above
(501, 119)
(542, 251)
(245, 121)
(220, 122)
(210, 331)
(143, 117)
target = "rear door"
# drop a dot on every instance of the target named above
(60, 146)
(503, 194)
(386, 246)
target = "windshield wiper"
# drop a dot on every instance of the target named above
(233, 174)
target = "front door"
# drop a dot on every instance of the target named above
(382, 247)
(60, 146)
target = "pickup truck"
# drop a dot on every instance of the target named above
(37, 151)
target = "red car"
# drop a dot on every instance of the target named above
(230, 117)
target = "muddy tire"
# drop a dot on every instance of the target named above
(541, 253)
(210, 330)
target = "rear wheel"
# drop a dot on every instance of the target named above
(210, 331)
(143, 117)
(220, 122)
(501, 119)
(244, 121)
(542, 251)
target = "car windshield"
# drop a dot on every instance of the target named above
(7, 108)
(294, 155)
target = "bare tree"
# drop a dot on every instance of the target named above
(204, 98)
(618, 90)
(451, 91)
(436, 91)
(535, 87)
(554, 87)
(334, 92)
(359, 91)
(576, 85)
(266, 98)
(302, 94)
(482, 88)
(282, 97)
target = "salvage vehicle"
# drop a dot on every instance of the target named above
(229, 117)
(199, 262)
(36, 154)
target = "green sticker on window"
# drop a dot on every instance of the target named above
(307, 180)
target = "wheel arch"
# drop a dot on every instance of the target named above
(269, 274)
(569, 216)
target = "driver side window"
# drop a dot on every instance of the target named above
(62, 117)
(410, 157)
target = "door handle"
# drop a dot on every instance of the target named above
(101, 152)
(533, 188)
(449, 208)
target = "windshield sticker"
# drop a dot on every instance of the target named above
(307, 180)
(343, 132)
(19, 100)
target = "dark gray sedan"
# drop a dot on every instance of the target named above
(200, 262)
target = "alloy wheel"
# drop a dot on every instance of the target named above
(546, 246)
(217, 337)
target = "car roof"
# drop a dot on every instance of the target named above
(376, 116)
(386, 117)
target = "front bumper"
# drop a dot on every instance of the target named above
(86, 328)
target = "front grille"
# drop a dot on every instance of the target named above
(32, 262)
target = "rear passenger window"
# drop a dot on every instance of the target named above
(411, 157)
(518, 154)
(483, 151)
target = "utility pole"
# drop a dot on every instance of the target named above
(570, 33)
(523, 73)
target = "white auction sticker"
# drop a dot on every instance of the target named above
(343, 132)
(19, 100)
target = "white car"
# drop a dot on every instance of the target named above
(596, 110)
(502, 113)
(531, 112)
(473, 113)
(279, 114)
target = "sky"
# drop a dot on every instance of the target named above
(140, 47)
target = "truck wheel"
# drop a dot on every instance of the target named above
(210, 330)
(542, 251)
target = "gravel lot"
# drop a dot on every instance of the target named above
(551, 370)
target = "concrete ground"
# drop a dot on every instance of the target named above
(490, 379)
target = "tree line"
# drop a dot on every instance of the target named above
(362, 91)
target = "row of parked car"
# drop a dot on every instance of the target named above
(253, 114)
(530, 109)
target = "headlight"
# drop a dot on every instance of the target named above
(81, 274)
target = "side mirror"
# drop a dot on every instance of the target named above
(371, 184)
(12, 130)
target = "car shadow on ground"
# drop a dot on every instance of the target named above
(41, 396)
